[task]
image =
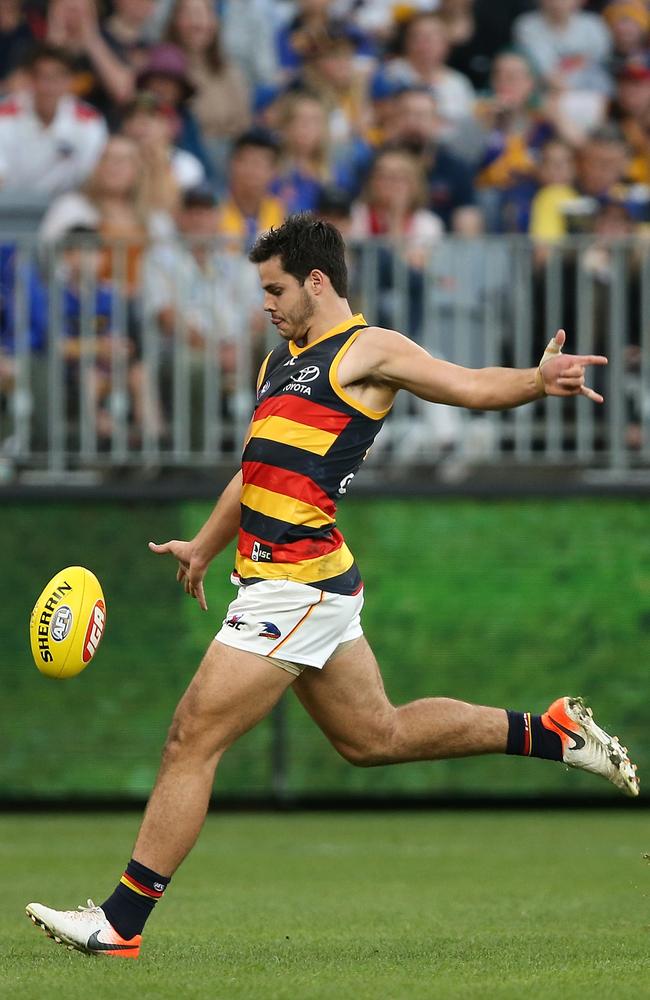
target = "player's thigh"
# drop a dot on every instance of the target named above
(348, 701)
(231, 691)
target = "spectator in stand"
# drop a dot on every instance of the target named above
(631, 111)
(249, 38)
(450, 192)
(304, 164)
(248, 208)
(128, 31)
(382, 95)
(515, 132)
(331, 71)
(166, 75)
(167, 169)
(113, 201)
(629, 24)
(570, 50)
(222, 102)
(556, 175)
(16, 37)
(49, 140)
(393, 206)
(423, 51)
(392, 307)
(307, 160)
(603, 164)
(85, 291)
(210, 298)
(478, 30)
(101, 76)
(309, 31)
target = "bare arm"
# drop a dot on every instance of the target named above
(195, 556)
(396, 362)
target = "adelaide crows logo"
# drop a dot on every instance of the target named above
(270, 631)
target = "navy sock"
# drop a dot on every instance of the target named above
(135, 896)
(529, 737)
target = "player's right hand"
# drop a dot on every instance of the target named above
(191, 570)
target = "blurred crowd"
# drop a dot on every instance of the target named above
(165, 135)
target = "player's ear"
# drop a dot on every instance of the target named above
(317, 281)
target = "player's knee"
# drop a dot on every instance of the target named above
(370, 748)
(188, 737)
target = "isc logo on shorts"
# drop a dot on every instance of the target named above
(261, 553)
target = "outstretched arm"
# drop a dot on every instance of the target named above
(397, 362)
(195, 556)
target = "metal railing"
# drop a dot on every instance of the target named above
(146, 356)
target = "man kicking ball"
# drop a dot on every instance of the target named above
(322, 396)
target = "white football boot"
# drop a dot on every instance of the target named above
(588, 747)
(85, 929)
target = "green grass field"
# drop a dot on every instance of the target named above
(478, 906)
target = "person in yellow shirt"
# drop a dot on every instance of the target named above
(248, 209)
(557, 173)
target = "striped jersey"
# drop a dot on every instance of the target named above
(306, 441)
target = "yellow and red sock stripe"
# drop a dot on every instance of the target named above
(142, 890)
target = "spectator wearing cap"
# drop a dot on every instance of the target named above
(631, 110)
(222, 101)
(206, 304)
(49, 140)
(423, 47)
(309, 31)
(331, 70)
(168, 169)
(101, 75)
(629, 24)
(382, 95)
(166, 75)
(569, 49)
(450, 189)
(248, 207)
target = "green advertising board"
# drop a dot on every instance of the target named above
(508, 603)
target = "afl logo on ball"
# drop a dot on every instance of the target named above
(306, 374)
(61, 623)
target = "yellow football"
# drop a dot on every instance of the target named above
(67, 622)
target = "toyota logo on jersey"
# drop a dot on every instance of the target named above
(306, 374)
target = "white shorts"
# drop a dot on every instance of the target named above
(291, 621)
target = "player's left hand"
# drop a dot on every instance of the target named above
(564, 374)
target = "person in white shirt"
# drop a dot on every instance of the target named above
(49, 140)
(569, 48)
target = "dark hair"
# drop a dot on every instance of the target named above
(304, 244)
(43, 52)
(256, 138)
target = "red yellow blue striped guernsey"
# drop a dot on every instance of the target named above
(306, 441)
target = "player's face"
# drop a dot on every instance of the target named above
(286, 301)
